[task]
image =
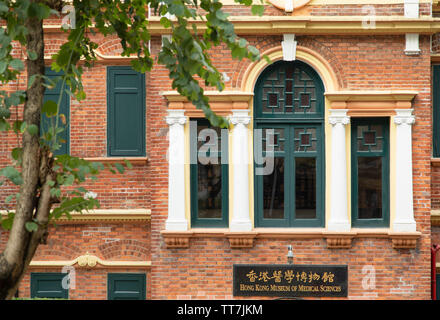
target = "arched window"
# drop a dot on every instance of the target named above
(289, 110)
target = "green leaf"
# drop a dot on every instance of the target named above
(69, 180)
(32, 55)
(257, 9)
(23, 127)
(3, 7)
(4, 125)
(17, 64)
(50, 108)
(9, 198)
(32, 129)
(3, 65)
(7, 223)
(128, 164)
(12, 174)
(119, 167)
(31, 226)
(17, 153)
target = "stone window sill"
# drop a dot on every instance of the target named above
(132, 160)
(335, 240)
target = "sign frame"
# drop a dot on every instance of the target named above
(290, 280)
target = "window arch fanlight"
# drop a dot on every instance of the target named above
(289, 109)
(289, 90)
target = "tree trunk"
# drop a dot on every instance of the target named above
(34, 202)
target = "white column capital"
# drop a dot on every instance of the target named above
(176, 117)
(338, 116)
(404, 116)
(240, 117)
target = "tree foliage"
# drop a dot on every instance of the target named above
(50, 186)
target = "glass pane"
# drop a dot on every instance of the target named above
(273, 192)
(209, 193)
(369, 187)
(305, 188)
(278, 139)
(305, 139)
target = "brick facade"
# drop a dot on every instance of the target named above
(204, 269)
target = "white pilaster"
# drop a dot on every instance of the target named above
(338, 185)
(404, 217)
(240, 163)
(176, 174)
(289, 47)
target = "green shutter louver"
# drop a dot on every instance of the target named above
(126, 286)
(436, 110)
(48, 285)
(53, 94)
(126, 112)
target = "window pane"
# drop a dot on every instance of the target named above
(305, 188)
(209, 193)
(273, 191)
(369, 187)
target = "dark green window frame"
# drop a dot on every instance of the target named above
(196, 221)
(299, 95)
(112, 122)
(385, 164)
(53, 94)
(52, 285)
(436, 110)
(134, 287)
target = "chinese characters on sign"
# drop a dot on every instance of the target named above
(290, 280)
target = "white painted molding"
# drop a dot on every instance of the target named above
(176, 173)
(339, 219)
(404, 217)
(411, 8)
(412, 44)
(89, 261)
(288, 5)
(241, 220)
(289, 47)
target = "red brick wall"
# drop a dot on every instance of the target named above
(362, 63)
(205, 269)
(109, 242)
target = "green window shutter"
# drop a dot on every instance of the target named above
(126, 286)
(54, 95)
(126, 112)
(437, 286)
(48, 285)
(436, 110)
(209, 181)
(370, 172)
(289, 107)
